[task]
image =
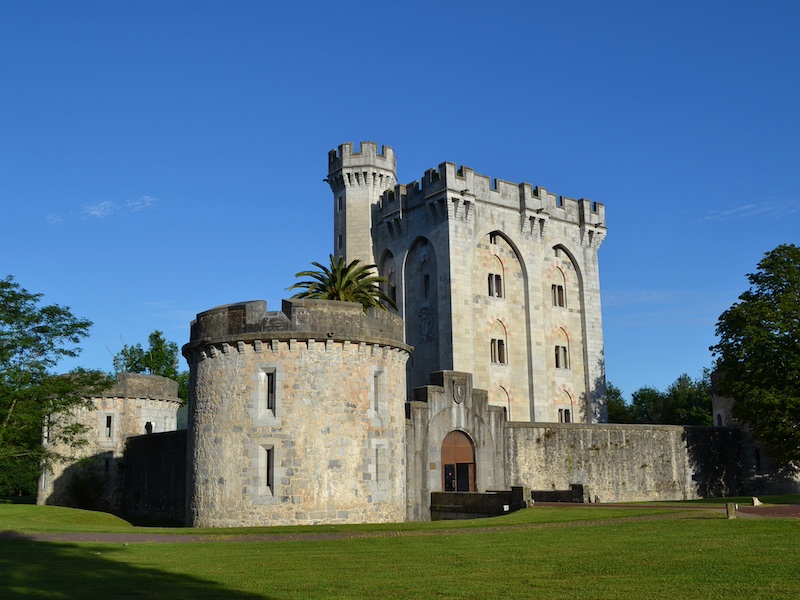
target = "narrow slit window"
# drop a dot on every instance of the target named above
(269, 468)
(377, 390)
(426, 285)
(266, 399)
(109, 421)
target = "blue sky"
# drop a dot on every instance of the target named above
(158, 159)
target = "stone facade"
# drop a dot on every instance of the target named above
(136, 405)
(624, 463)
(489, 376)
(296, 416)
(492, 278)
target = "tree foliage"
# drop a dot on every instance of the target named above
(686, 401)
(160, 358)
(618, 410)
(758, 354)
(33, 339)
(353, 282)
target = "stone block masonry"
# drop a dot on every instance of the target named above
(296, 417)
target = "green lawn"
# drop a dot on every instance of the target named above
(535, 553)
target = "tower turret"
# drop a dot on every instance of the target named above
(357, 180)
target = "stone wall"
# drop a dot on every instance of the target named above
(297, 416)
(155, 479)
(624, 463)
(449, 404)
(92, 476)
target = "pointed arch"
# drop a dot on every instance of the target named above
(561, 352)
(420, 299)
(498, 347)
(387, 269)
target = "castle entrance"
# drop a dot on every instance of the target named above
(458, 463)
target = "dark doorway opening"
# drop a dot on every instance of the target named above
(458, 463)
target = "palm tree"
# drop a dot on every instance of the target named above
(352, 282)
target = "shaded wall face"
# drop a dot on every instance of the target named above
(421, 313)
(93, 475)
(323, 445)
(623, 463)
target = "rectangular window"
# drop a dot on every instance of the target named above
(377, 390)
(562, 358)
(266, 390)
(340, 203)
(558, 295)
(426, 285)
(267, 467)
(498, 350)
(495, 285)
(108, 425)
(339, 242)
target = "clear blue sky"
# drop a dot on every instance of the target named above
(158, 159)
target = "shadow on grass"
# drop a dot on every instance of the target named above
(57, 570)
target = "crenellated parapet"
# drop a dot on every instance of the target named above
(229, 327)
(368, 168)
(461, 186)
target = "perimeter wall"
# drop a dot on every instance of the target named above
(624, 463)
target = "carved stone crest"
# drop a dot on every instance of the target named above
(459, 391)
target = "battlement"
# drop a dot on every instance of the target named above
(320, 320)
(139, 385)
(463, 182)
(367, 156)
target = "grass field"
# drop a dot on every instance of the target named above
(541, 552)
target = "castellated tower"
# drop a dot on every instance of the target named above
(357, 180)
(492, 278)
(296, 416)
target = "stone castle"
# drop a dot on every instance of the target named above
(489, 375)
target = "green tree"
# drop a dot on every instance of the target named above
(686, 401)
(758, 354)
(160, 358)
(353, 282)
(33, 339)
(619, 411)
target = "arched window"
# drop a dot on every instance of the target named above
(496, 278)
(566, 412)
(497, 346)
(387, 270)
(504, 400)
(561, 350)
(559, 289)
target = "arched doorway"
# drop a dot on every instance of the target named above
(458, 463)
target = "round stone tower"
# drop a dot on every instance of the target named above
(357, 180)
(296, 416)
